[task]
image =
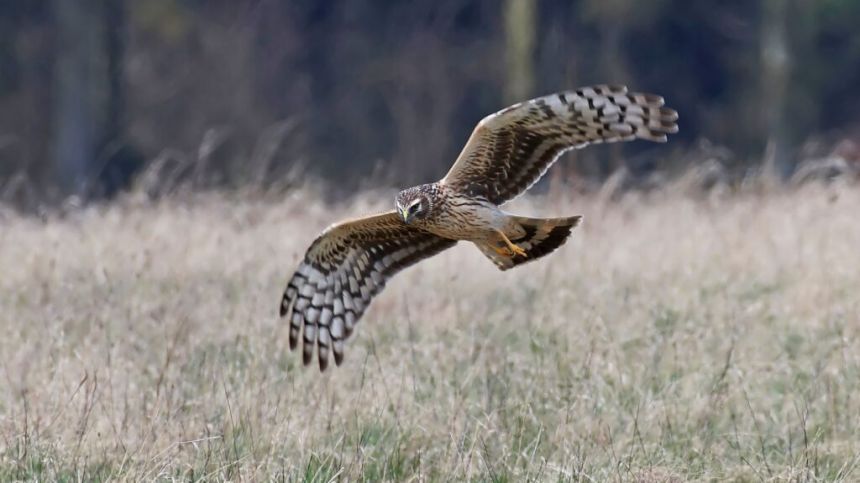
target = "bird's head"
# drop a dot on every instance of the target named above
(412, 204)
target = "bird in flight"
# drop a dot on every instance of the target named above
(350, 262)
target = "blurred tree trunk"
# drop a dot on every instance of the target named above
(83, 87)
(520, 26)
(775, 65)
(115, 49)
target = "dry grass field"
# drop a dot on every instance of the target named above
(672, 339)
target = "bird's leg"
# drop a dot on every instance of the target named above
(512, 249)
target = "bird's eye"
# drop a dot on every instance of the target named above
(414, 208)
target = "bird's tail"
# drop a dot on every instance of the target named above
(535, 236)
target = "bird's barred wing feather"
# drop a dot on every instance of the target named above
(343, 269)
(510, 150)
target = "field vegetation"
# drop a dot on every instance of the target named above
(675, 337)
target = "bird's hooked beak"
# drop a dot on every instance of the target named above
(404, 214)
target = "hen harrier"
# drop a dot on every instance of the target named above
(350, 262)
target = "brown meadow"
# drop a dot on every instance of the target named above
(672, 338)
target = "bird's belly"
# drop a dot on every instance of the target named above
(473, 221)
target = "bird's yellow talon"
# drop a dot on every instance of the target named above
(517, 250)
(510, 249)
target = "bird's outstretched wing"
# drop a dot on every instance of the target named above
(342, 270)
(511, 149)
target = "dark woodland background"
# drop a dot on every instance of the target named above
(99, 96)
